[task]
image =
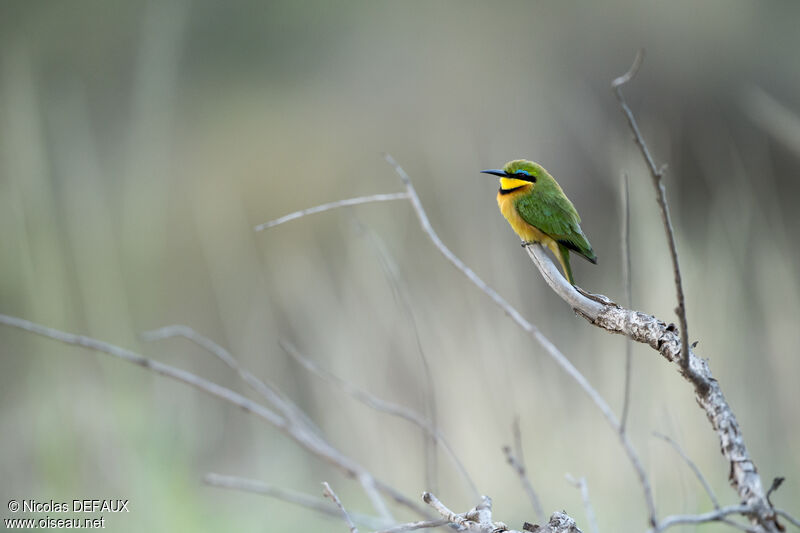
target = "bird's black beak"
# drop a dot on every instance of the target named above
(494, 172)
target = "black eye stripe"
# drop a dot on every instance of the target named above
(525, 177)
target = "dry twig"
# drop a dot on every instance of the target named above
(661, 196)
(581, 485)
(269, 392)
(298, 498)
(413, 526)
(519, 468)
(372, 401)
(327, 491)
(713, 516)
(333, 205)
(479, 519)
(698, 474)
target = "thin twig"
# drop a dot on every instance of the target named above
(698, 474)
(431, 454)
(519, 468)
(478, 519)
(776, 484)
(268, 391)
(532, 330)
(413, 526)
(294, 497)
(295, 416)
(794, 521)
(516, 431)
(587, 503)
(327, 491)
(392, 274)
(626, 283)
(661, 196)
(333, 205)
(178, 374)
(296, 431)
(443, 510)
(713, 516)
(380, 405)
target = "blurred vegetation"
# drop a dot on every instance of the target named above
(142, 141)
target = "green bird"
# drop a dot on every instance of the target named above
(539, 211)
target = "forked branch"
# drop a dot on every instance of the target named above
(661, 197)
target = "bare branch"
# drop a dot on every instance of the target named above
(295, 416)
(663, 338)
(177, 374)
(298, 498)
(694, 468)
(479, 519)
(587, 503)
(559, 523)
(380, 405)
(661, 196)
(297, 432)
(327, 491)
(333, 205)
(392, 274)
(413, 526)
(442, 509)
(516, 431)
(267, 391)
(628, 76)
(713, 516)
(519, 468)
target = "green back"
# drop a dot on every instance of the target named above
(547, 208)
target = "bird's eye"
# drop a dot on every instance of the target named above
(524, 175)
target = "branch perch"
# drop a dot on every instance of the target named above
(743, 475)
(663, 338)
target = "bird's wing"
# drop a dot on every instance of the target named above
(555, 215)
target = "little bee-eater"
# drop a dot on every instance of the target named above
(539, 211)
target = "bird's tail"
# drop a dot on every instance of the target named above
(563, 258)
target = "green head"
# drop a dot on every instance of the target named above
(519, 173)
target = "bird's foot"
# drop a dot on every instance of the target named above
(525, 244)
(605, 300)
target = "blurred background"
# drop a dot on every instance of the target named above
(141, 142)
